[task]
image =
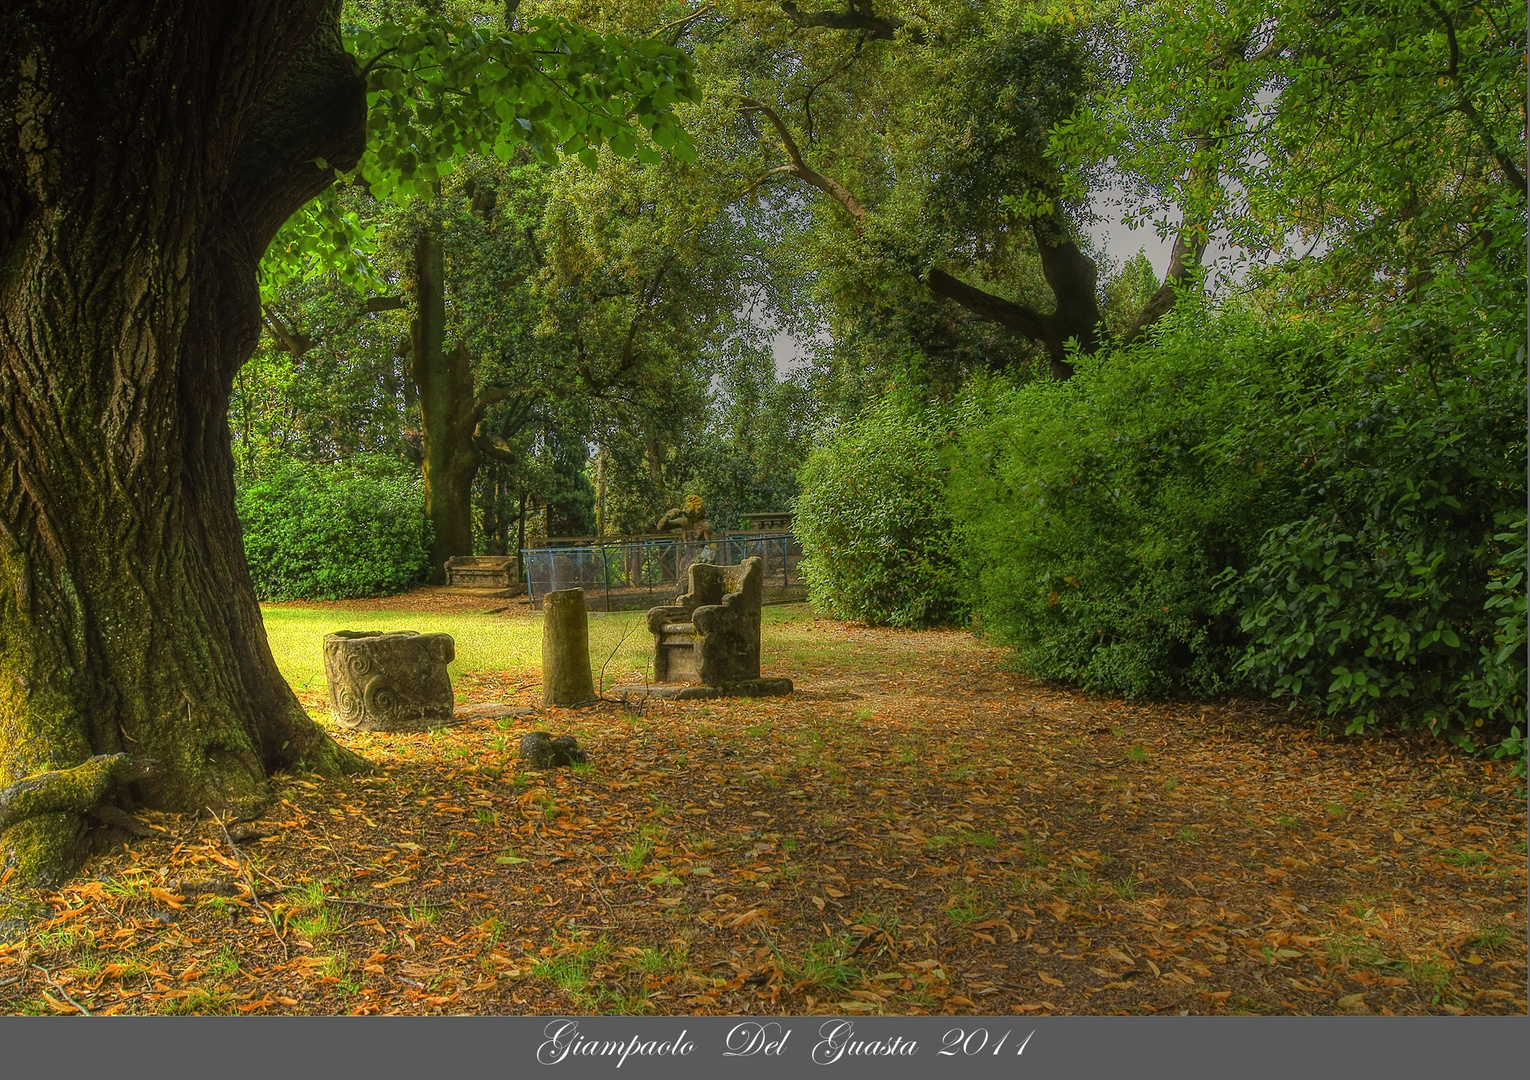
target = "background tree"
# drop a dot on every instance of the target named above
(1331, 145)
(931, 144)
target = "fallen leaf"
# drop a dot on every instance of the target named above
(856, 1006)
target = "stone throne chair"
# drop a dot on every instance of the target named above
(711, 635)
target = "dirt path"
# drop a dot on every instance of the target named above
(916, 830)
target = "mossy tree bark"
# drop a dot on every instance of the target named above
(149, 151)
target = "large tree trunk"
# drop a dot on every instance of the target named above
(449, 412)
(148, 153)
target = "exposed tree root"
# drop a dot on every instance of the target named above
(77, 790)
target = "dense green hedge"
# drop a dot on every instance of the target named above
(1400, 595)
(1332, 514)
(334, 531)
(1095, 514)
(874, 526)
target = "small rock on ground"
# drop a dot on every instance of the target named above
(542, 751)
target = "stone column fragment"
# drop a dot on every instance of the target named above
(566, 649)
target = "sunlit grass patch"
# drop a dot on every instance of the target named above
(513, 642)
(1430, 973)
(569, 964)
(310, 915)
(826, 965)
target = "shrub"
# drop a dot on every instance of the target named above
(334, 531)
(1095, 514)
(1400, 596)
(873, 523)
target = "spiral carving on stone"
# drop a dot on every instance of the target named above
(389, 682)
(347, 707)
(386, 703)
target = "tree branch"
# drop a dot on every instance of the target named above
(298, 343)
(858, 15)
(679, 25)
(1023, 320)
(492, 446)
(1067, 269)
(1194, 232)
(489, 395)
(800, 168)
(1184, 263)
(752, 188)
(834, 72)
(536, 252)
(289, 339)
(1464, 106)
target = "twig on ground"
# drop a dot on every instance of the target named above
(67, 996)
(330, 841)
(272, 880)
(363, 903)
(598, 890)
(623, 640)
(250, 884)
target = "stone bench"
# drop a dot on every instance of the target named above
(483, 575)
(708, 641)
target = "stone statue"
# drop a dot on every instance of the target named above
(707, 643)
(690, 522)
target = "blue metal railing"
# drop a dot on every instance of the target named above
(635, 574)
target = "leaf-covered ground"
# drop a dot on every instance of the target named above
(915, 830)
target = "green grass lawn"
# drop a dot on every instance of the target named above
(513, 643)
(484, 642)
